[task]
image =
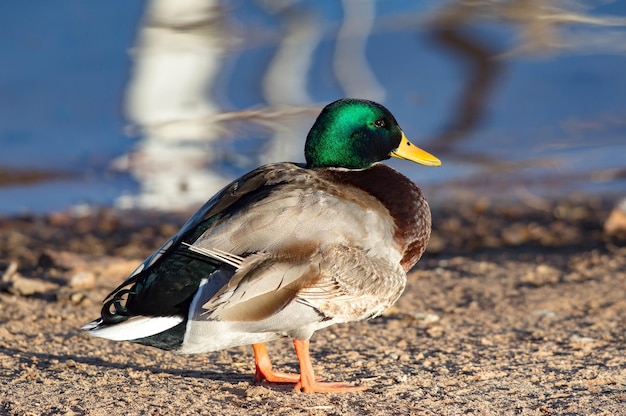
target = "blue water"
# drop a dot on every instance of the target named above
(559, 114)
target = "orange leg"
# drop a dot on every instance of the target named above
(308, 383)
(264, 368)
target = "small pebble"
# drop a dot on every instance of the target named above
(584, 340)
(23, 286)
(83, 280)
(77, 297)
(544, 313)
(615, 224)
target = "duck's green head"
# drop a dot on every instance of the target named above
(355, 134)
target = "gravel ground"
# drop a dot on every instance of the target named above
(513, 310)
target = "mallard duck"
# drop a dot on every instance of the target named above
(285, 250)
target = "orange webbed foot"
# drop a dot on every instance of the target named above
(308, 382)
(276, 377)
(264, 369)
(322, 387)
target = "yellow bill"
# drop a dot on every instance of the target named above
(408, 151)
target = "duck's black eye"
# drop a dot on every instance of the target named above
(380, 123)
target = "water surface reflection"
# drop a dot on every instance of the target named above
(517, 97)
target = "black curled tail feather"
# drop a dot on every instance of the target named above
(120, 312)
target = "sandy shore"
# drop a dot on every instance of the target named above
(512, 311)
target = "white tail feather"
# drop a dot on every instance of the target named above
(133, 328)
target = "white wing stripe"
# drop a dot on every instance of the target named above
(217, 254)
